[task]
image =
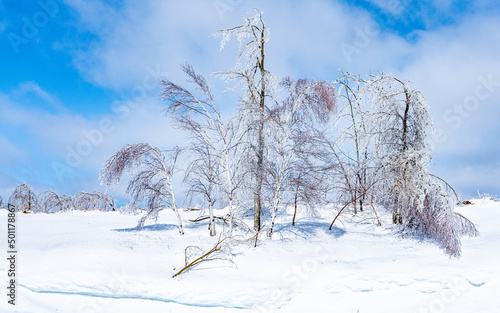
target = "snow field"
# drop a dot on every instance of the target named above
(98, 262)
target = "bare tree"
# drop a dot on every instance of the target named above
(198, 114)
(310, 180)
(258, 85)
(151, 173)
(24, 199)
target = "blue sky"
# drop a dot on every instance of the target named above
(78, 78)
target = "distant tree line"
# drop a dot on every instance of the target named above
(27, 201)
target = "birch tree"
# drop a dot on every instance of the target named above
(203, 178)
(199, 116)
(151, 178)
(354, 165)
(258, 85)
(401, 125)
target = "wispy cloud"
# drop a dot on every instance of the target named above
(34, 88)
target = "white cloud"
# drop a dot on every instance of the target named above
(450, 66)
(456, 68)
(306, 37)
(142, 35)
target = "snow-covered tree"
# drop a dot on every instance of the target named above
(210, 134)
(435, 218)
(203, 178)
(24, 199)
(258, 85)
(288, 171)
(400, 127)
(151, 172)
(350, 149)
(50, 202)
(97, 200)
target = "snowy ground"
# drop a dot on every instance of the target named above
(98, 262)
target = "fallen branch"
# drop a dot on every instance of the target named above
(199, 219)
(204, 257)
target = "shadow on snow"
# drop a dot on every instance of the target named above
(306, 229)
(154, 227)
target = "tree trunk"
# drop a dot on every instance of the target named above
(397, 217)
(260, 151)
(212, 219)
(258, 189)
(295, 200)
(405, 121)
(175, 208)
(273, 218)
